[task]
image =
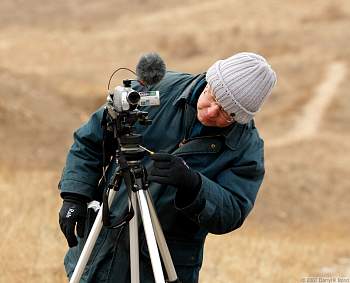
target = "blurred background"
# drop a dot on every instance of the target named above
(55, 61)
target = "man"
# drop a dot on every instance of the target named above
(204, 177)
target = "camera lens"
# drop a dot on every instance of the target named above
(133, 97)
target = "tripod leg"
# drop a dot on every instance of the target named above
(90, 243)
(150, 237)
(134, 242)
(164, 251)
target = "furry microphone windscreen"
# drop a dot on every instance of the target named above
(150, 69)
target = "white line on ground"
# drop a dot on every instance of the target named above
(311, 116)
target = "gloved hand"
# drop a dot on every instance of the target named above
(73, 213)
(172, 170)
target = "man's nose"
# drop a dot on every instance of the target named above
(213, 110)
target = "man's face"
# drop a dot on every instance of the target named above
(209, 111)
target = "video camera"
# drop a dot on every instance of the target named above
(149, 71)
(121, 110)
(124, 98)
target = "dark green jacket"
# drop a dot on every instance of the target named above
(230, 163)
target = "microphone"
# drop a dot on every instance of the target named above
(150, 69)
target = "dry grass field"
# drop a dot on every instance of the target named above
(55, 61)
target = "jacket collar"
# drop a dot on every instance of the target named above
(186, 94)
(237, 134)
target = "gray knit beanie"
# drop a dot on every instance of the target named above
(241, 83)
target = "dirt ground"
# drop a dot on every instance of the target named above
(55, 61)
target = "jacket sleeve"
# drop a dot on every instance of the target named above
(83, 168)
(223, 204)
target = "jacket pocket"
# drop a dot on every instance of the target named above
(199, 153)
(200, 145)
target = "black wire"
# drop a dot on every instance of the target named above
(115, 248)
(127, 69)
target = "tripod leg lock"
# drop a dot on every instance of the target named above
(139, 173)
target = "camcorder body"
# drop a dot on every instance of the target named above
(124, 98)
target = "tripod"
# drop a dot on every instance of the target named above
(131, 170)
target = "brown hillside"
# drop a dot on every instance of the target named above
(55, 62)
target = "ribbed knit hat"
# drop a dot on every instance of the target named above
(241, 83)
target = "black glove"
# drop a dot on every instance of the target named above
(172, 170)
(73, 212)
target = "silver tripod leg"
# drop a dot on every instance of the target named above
(90, 243)
(134, 241)
(164, 250)
(150, 237)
